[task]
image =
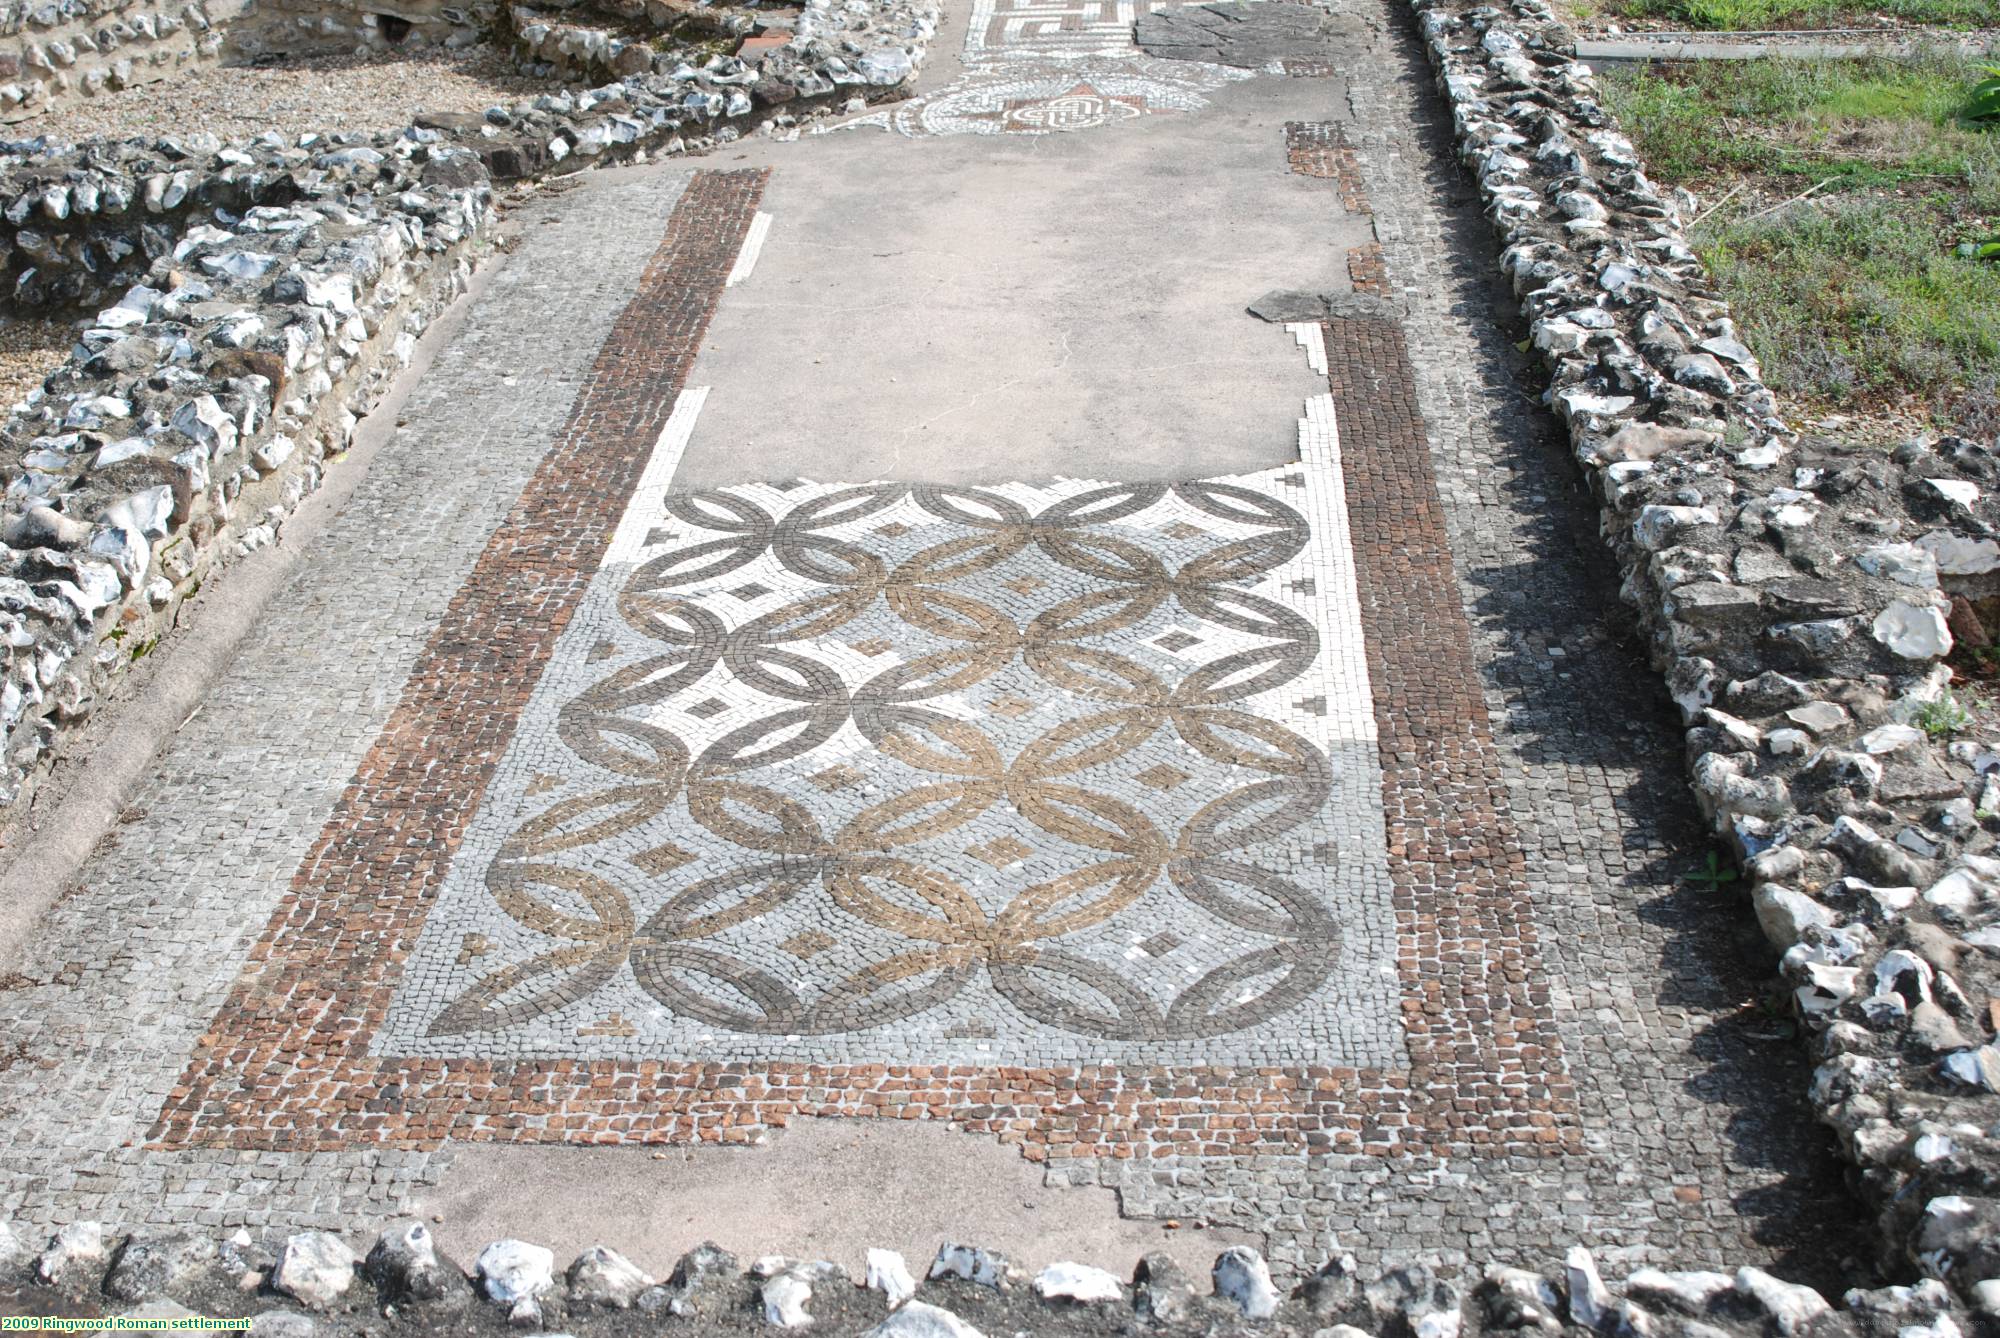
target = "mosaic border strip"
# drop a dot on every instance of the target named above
(285, 1064)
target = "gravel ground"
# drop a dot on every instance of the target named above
(29, 351)
(298, 96)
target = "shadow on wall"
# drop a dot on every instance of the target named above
(1564, 658)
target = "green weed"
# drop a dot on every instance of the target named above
(1747, 15)
(1942, 718)
(1865, 122)
(1714, 874)
(1859, 300)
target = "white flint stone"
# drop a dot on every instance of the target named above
(1819, 717)
(202, 421)
(1785, 915)
(1792, 516)
(1242, 1277)
(784, 1299)
(1958, 891)
(1975, 1068)
(1760, 457)
(1787, 742)
(314, 1268)
(1956, 490)
(1077, 1282)
(1693, 1289)
(1827, 987)
(1574, 402)
(243, 265)
(79, 1244)
(1931, 1147)
(1957, 555)
(1590, 1301)
(603, 1276)
(1791, 1306)
(1737, 728)
(1906, 564)
(889, 1274)
(1915, 632)
(511, 1271)
(1436, 1324)
(1886, 739)
(918, 1320)
(1896, 964)
(1659, 527)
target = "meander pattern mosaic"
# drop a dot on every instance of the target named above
(1014, 774)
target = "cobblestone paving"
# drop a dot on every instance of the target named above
(1297, 850)
(105, 1026)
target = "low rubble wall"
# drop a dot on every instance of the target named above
(53, 50)
(276, 289)
(1799, 601)
(269, 28)
(318, 1283)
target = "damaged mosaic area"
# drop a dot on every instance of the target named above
(1073, 773)
(1042, 67)
(1082, 95)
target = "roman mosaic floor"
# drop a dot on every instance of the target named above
(888, 638)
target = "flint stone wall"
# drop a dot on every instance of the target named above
(326, 27)
(79, 223)
(1799, 601)
(278, 288)
(52, 50)
(316, 1284)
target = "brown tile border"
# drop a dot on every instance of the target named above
(1320, 149)
(285, 1065)
(1481, 1035)
(1366, 269)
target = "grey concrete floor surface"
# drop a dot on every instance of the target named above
(973, 309)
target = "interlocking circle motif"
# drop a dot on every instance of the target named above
(1081, 611)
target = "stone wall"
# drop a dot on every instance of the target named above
(317, 1283)
(52, 50)
(276, 289)
(195, 414)
(79, 223)
(323, 27)
(1799, 599)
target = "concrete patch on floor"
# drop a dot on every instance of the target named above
(821, 1189)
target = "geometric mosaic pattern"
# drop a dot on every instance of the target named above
(1052, 28)
(909, 772)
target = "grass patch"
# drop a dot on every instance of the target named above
(1861, 302)
(1859, 299)
(1871, 121)
(1752, 15)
